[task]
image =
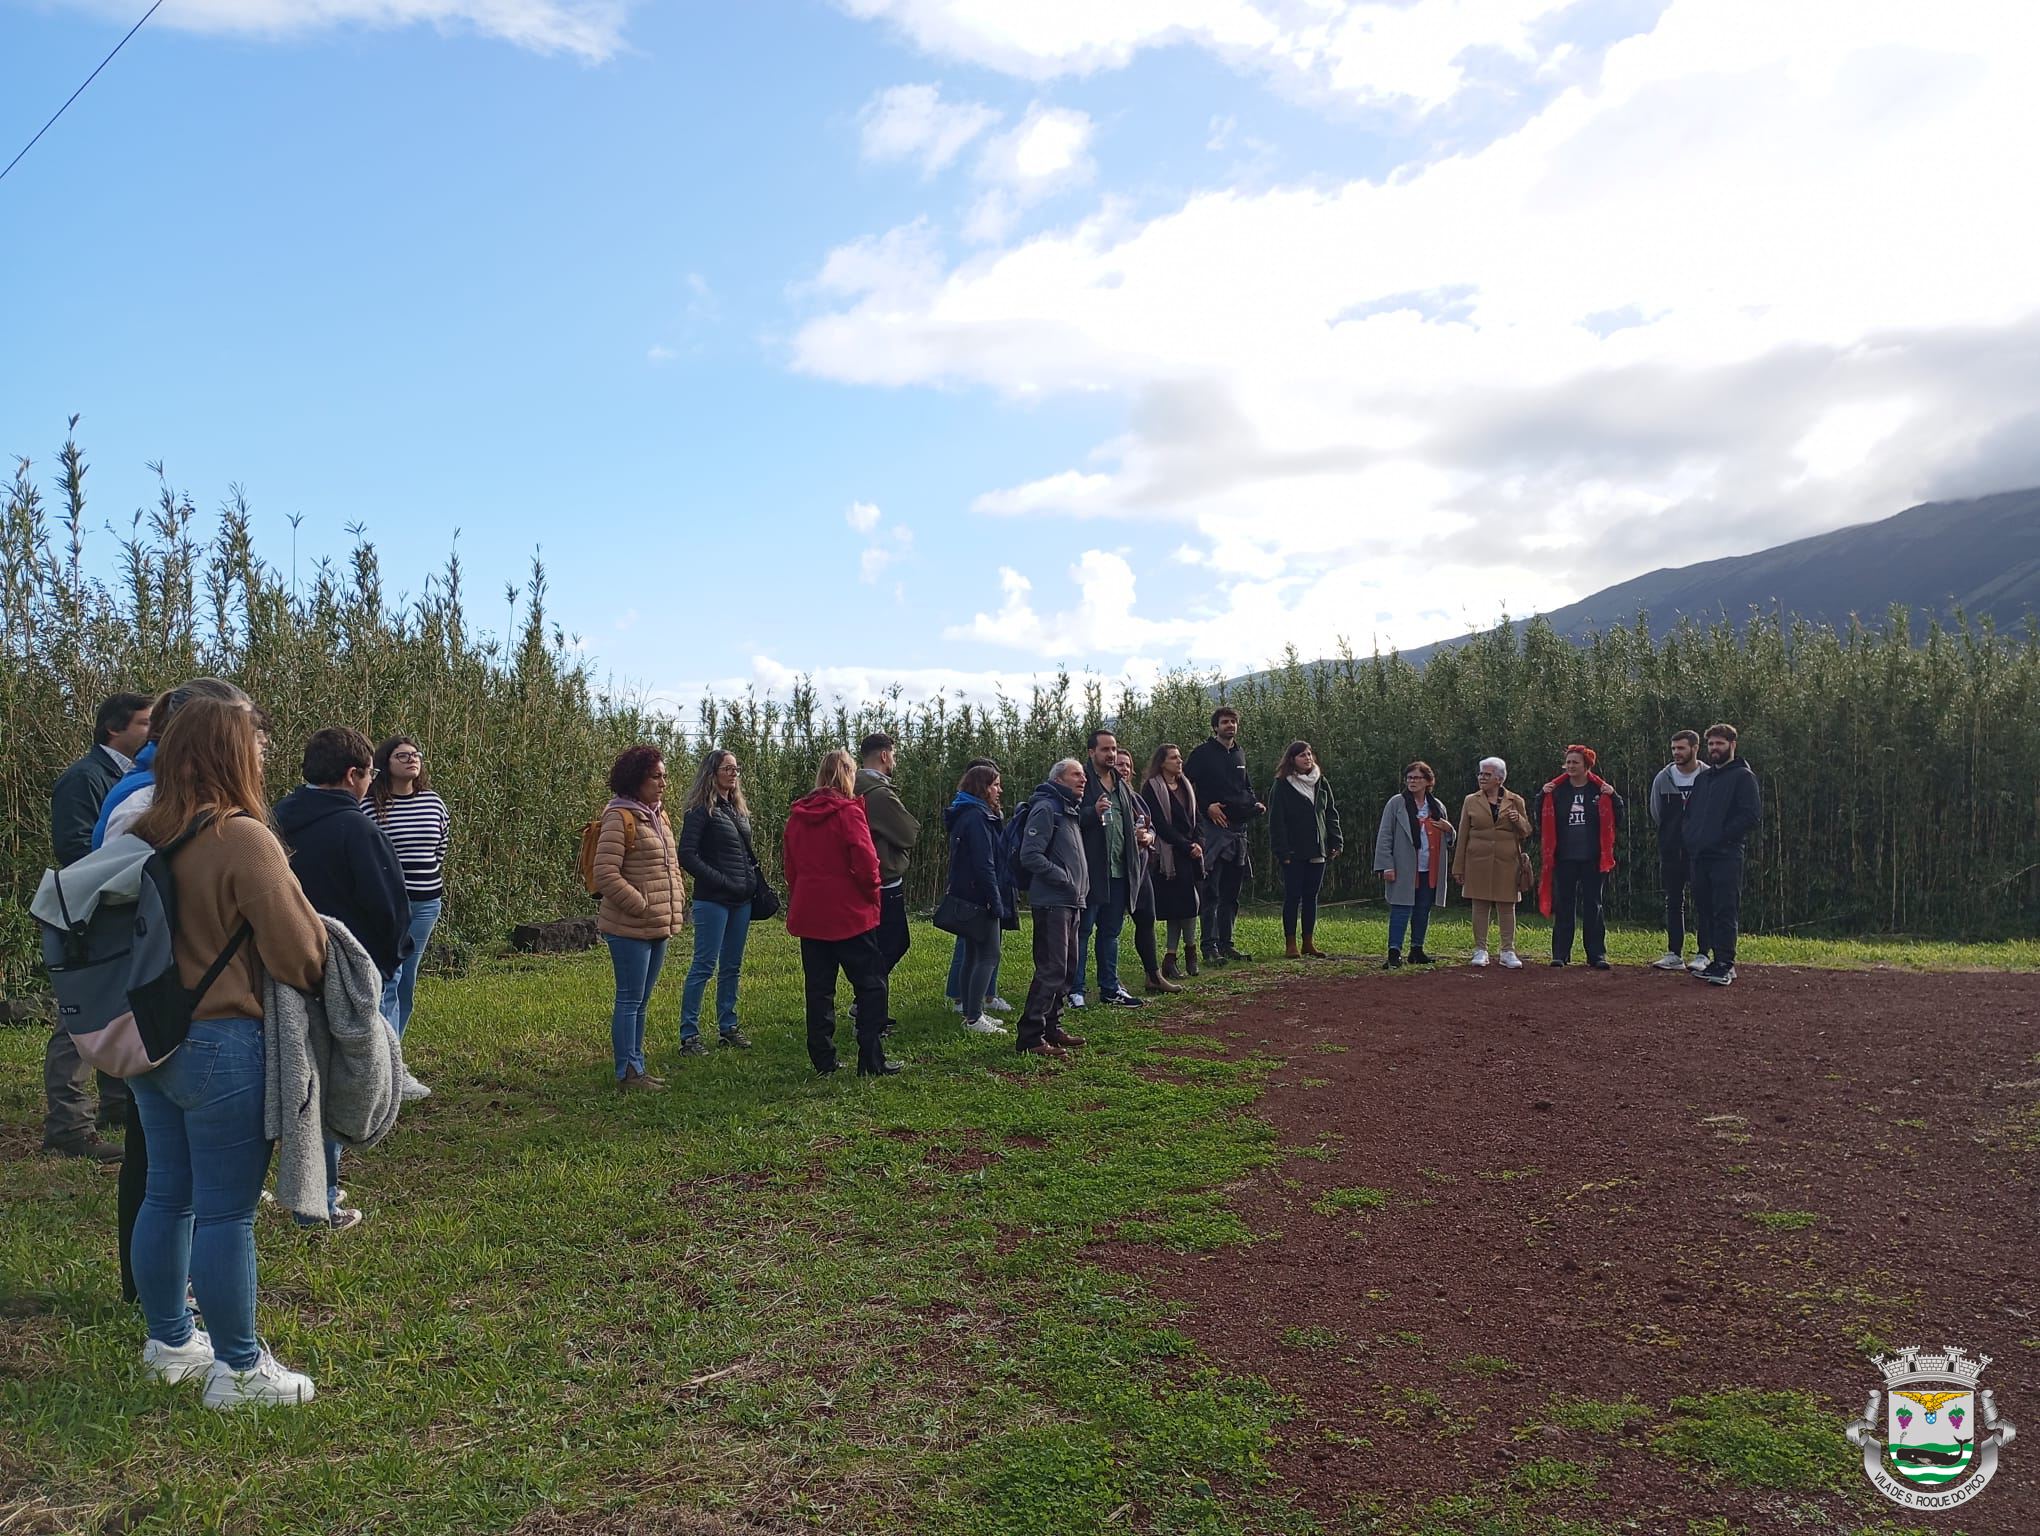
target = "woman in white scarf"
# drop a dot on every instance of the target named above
(1303, 828)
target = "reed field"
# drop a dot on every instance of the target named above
(1900, 764)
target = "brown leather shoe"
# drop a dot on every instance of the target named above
(1189, 962)
(1291, 952)
(1169, 967)
(1063, 1040)
(90, 1145)
(1046, 1048)
(1311, 950)
(638, 1082)
(1157, 982)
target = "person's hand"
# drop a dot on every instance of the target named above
(1261, 806)
(1197, 851)
(1218, 816)
(1146, 837)
(1388, 876)
(1334, 853)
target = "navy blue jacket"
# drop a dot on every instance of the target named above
(1724, 810)
(348, 870)
(977, 858)
(75, 801)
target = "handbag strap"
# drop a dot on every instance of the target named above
(226, 958)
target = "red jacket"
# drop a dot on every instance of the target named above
(831, 868)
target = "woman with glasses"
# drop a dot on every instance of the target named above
(715, 848)
(1410, 854)
(401, 799)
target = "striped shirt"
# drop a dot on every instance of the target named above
(419, 829)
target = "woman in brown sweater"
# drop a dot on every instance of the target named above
(202, 1108)
(1493, 826)
(637, 872)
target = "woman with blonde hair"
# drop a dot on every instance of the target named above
(832, 907)
(1489, 864)
(240, 915)
(715, 848)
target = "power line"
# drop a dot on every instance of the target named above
(81, 89)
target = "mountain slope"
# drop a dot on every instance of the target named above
(1982, 556)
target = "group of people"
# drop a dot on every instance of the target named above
(361, 844)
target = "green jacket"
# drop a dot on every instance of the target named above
(893, 830)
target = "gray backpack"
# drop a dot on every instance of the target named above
(119, 995)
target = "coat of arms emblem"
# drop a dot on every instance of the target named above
(1935, 1453)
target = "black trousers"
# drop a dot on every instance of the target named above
(863, 967)
(1218, 904)
(1676, 871)
(1144, 930)
(894, 938)
(1717, 902)
(1301, 882)
(1577, 886)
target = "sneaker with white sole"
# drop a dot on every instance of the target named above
(267, 1384)
(1510, 962)
(997, 1005)
(982, 1026)
(1720, 975)
(1698, 963)
(172, 1363)
(412, 1089)
(1076, 999)
(1670, 960)
(1479, 960)
(953, 1004)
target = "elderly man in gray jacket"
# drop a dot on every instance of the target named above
(1058, 885)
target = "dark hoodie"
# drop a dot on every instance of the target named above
(977, 860)
(348, 870)
(1724, 810)
(1052, 849)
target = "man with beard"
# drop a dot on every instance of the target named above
(1217, 769)
(1724, 810)
(1670, 793)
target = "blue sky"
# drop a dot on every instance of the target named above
(949, 341)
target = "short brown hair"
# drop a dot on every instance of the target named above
(1223, 712)
(1418, 765)
(1687, 735)
(334, 752)
(978, 778)
(874, 744)
(1725, 732)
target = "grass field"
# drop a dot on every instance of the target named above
(762, 1301)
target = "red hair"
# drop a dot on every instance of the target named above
(1592, 757)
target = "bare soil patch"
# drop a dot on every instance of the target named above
(1504, 1190)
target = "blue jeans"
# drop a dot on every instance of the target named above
(401, 990)
(719, 934)
(1105, 916)
(636, 963)
(202, 1113)
(958, 961)
(981, 964)
(1416, 919)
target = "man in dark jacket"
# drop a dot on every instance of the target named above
(1670, 792)
(349, 872)
(1058, 889)
(1110, 823)
(1226, 802)
(118, 732)
(1724, 810)
(894, 832)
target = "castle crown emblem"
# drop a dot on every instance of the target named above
(1913, 1364)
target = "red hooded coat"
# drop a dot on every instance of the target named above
(831, 868)
(1547, 833)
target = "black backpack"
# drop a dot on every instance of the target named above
(1016, 833)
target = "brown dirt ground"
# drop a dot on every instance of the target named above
(1573, 1164)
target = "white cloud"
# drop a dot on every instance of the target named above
(881, 550)
(591, 29)
(854, 685)
(913, 122)
(862, 516)
(1397, 396)
(1368, 50)
(1046, 153)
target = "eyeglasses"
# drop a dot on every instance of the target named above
(407, 757)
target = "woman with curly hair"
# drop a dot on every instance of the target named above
(637, 875)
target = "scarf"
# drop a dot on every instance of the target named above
(1547, 827)
(1432, 830)
(1183, 798)
(1305, 784)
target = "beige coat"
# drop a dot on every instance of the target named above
(642, 894)
(1489, 845)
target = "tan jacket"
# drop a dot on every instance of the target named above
(1487, 861)
(236, 872)
(642, 893)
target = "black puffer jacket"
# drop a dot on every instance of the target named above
(715, 849)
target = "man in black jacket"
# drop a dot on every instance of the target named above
(1226, 802)
(1670, 792)
(1724, 810)
(118, 731)
(1110, 827)
(349, 872)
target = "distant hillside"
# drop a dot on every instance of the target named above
(1982, 556)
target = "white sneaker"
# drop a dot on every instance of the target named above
(997, 1005)
(954, 1005)
(1669, 961)
(1076, 999)
(1698, 964)
(172, 1363)
(267, 1384)
(1510, 962)
(1479, 961)
(983, 1026)
(413, 1089)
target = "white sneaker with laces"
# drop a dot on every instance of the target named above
(997, 1005)
(1076, 999)
(413, 1089)
(1510, 962)
(1479, 961)
(1670, 960)
(266, 1384)
(172, 1363)
(1698, 964)
(983, 1026)
(954, 1005)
